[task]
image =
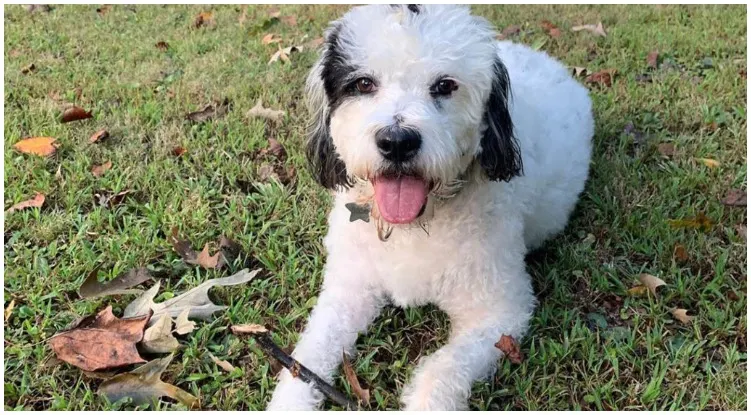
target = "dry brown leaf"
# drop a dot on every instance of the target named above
(9, 309)
(203, 19)
(637, 291)
(735, 197)
(36, 201)
(100, 169)
(283, 54)
(110, 200)
(509, 31)
(143, 385)
(225, 365)
(651, 282)
(603, 77)
(259, 111)
(711, 163)
(205, 260)
(98, 136)
(510, 349)
(680, 253)
(162, 45)
(596, 29)
(652, 59)
(289, 20)
(349, 373)
(103, 9)
(74, 114)
(182, 324)
(178, 151)
(270, 38)
(101, 342)
(700, 221)
(552, 29)
(666, 149)
(158, 338)
(92, 288)
(277, 150)
(28, 68)
(248, 329)
(41, 146)
(210, 111)
(681, 315)
(182, 247)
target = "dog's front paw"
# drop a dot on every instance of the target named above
(292, 394)
(434, 389)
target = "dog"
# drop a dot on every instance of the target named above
(464, 153)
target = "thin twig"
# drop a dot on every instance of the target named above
(297, 369)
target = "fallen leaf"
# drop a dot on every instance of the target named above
(178, 151)
(652, 59)
(681, 315)
(270, 38)
(735, 197)
(680, 253)
(158, 338)
(596, 29)
(578, 71)
(100, 169)
(651, 282)
(510, 349)
(36, 201)
(274, 12)
(203, 19)
(259, 111)
(283, 54)
(101, 342)
(243, 16)
(41, 146)
(143, 385)
(98, 136)
(204, 259)
(106, 200)
(197, 299)
(313, 44)
(509, 31)
(552, 29)
(741, 229)
(248, 329)
(162, 45)
(637, 291)
(711, 163)
(182, 324)
(666, 149)
(103, 9)
(210, 111)
(74, 114)
(362, 394)
(289, 20)
(92, 288)
(277, 150)
(99, 375)
(28, 68)
(9, 309)
(225, 365)
(700, 221)
(230, 250)
(182, 247)
(603, 77)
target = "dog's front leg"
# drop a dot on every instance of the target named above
(347, 305)
(443, 380)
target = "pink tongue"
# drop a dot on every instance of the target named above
(400, 199)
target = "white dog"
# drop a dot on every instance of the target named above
(468, 152)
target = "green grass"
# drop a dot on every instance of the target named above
(591, 346)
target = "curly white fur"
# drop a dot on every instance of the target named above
(471, 264)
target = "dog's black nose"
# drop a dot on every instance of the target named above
(398, 144)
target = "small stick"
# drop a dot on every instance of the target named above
(296, 368)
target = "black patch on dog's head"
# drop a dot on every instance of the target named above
(414, 8)
(500, 156)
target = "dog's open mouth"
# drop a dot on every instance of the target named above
(401, 199)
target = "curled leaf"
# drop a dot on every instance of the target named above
(92, 288)
(225, 365)
(36, 201)
(651, 282)
(248, 329)
(603, 77)
(681, 315)
(510, 349)
(349, 373)
(98, 136)
(596, 29)
(74, 114)
(100, 169)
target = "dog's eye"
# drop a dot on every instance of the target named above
(365, 85)
(444, 87)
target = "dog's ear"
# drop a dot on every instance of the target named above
(500, 155)
(325, 165)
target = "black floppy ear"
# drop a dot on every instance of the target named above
(500, 156)
(324, 162)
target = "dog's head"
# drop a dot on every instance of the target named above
(408, 98)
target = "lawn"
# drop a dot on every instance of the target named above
(593, 343)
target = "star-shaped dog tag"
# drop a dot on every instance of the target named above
(356, 212)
